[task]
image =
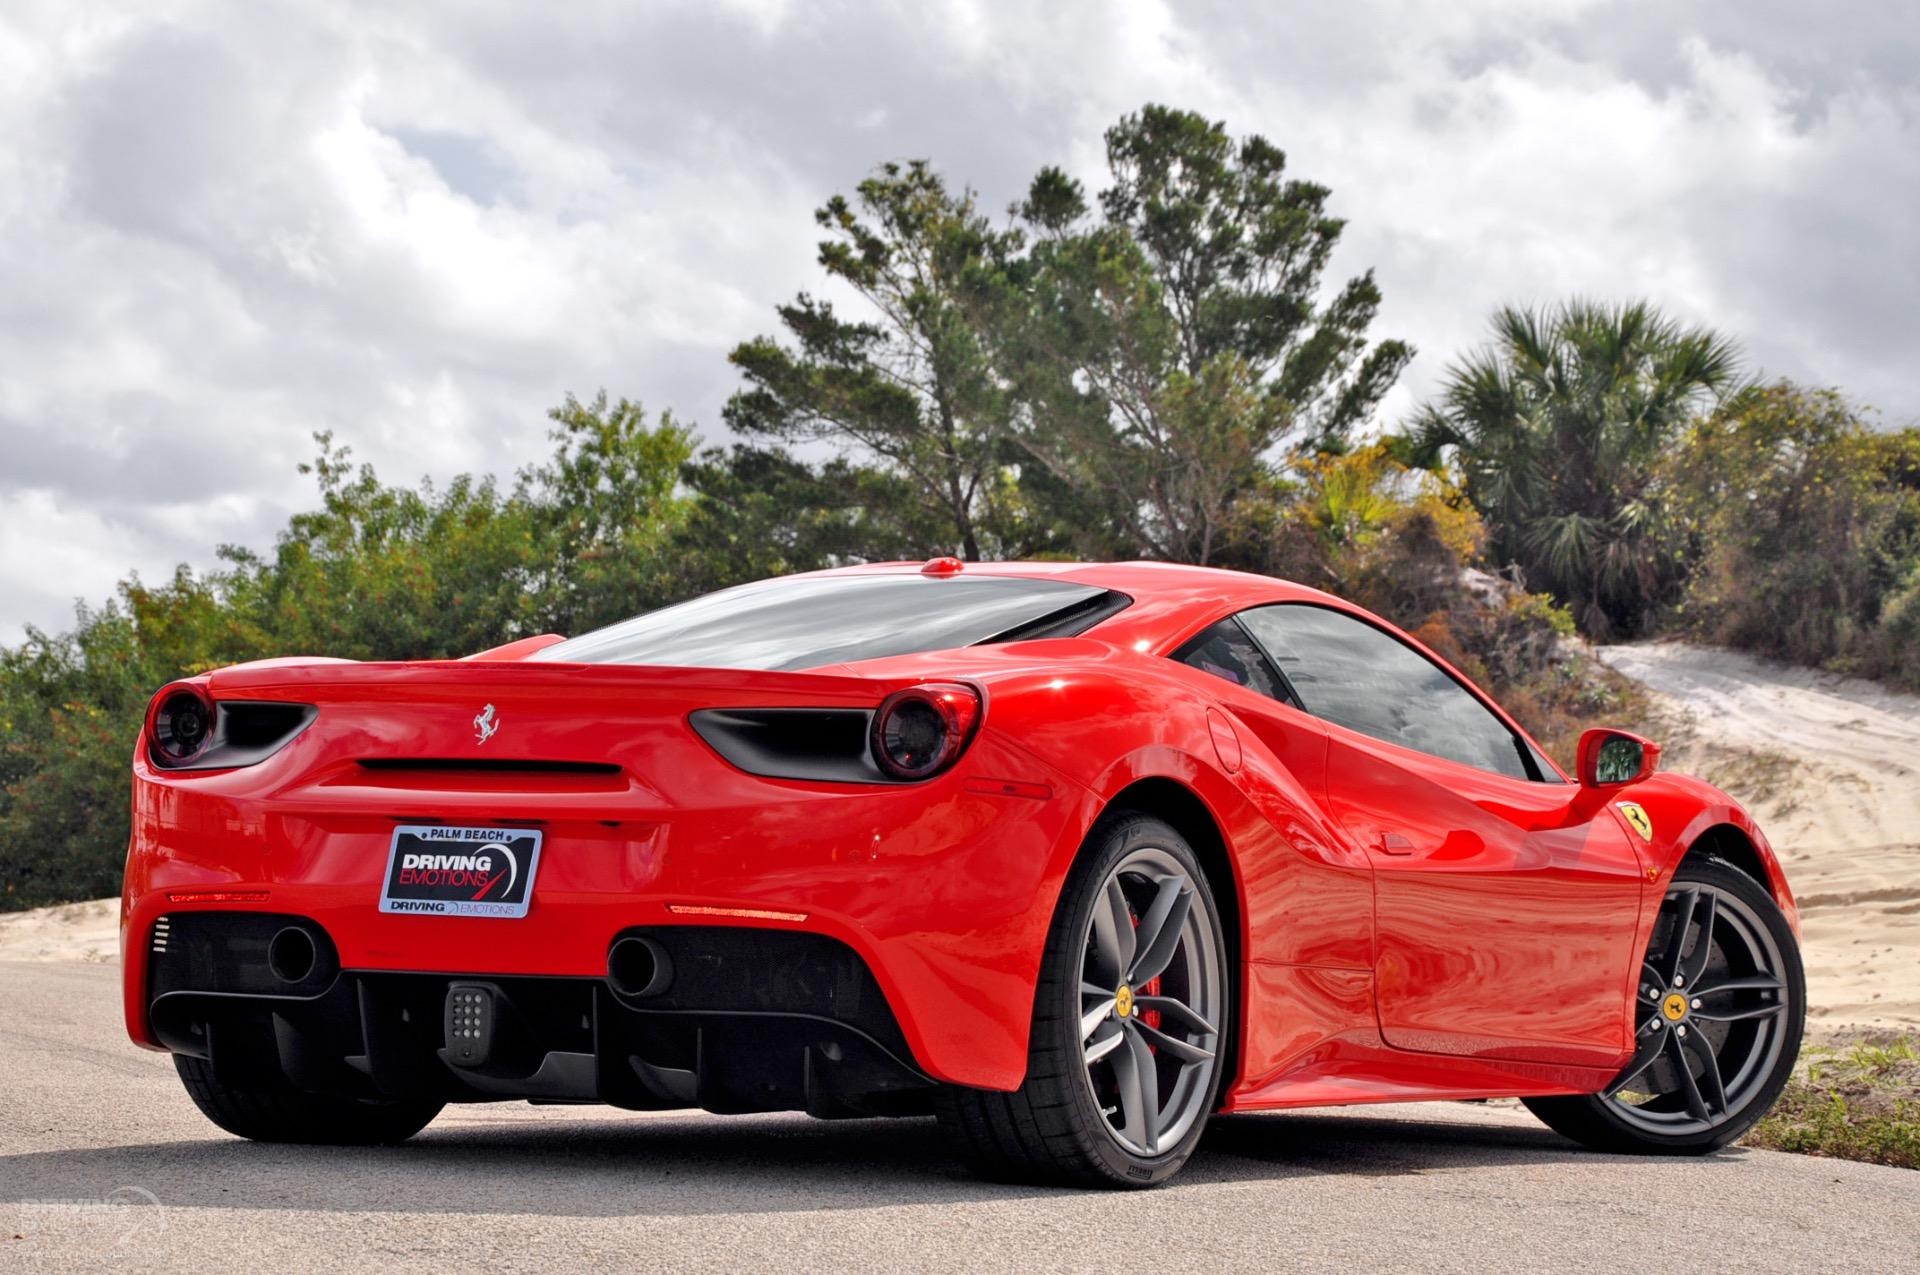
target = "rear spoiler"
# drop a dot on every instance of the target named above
(321, 681)
(519, 650)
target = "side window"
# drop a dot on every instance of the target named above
(1355, 675)
(1227, 652)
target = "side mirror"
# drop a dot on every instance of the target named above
(1610, 758)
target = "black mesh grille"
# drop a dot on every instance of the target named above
(734, 969)
(227, 952)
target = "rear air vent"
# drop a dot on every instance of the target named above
(489, 766)
(793, 743)
(161, 930)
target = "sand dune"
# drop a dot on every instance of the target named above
(1831, 767)
(86, 932)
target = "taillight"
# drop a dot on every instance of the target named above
(180, 724)
(922, 730)
(188, 730)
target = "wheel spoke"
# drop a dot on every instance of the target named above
(1177, 1013)
(1105, 1042)
(1684, 903)
(1696, 1104)
(1090, 1019)
(1113, 938)
(1160, 930)
(1696, 964)
(1715, 1089)
(1139, 1093)
(1652, 1039)
(1736, 1015)
(1757, 983)
(1173, 1046)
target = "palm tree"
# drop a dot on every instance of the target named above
(1558, 426)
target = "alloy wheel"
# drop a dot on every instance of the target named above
(1152, 991)
(1711, 1015)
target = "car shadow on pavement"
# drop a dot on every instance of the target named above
(1381, 1145)
(697, 1164)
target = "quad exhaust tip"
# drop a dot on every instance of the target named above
(638, 967)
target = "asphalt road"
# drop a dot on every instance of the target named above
(105, 1163)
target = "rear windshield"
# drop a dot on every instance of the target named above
(801, 622)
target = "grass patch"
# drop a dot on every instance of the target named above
(1853, 1100)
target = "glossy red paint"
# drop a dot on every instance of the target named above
(1405, 926)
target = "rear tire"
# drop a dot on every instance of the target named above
(285, 1115)
(1120, 1081)
(1722, 1005)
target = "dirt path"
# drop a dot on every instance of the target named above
(1832, 768)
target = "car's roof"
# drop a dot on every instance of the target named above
(1140, 578)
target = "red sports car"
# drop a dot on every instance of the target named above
(1073, 856)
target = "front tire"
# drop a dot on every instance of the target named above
(284, 1115)
(1130, 1020)
(1722, 1005)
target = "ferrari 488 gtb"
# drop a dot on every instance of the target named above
(1072, 856)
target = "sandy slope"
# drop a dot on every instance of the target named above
(88, 932)
(1831, 766)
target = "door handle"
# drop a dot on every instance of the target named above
(1393, 843)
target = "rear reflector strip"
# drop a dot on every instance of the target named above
(219, 896)
(751, 914)
(162, 931)
(1009, 788)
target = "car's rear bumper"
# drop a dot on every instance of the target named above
(741, 1020)
(943, 892)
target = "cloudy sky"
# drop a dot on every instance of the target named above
(226, 226)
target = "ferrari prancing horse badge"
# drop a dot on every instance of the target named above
(1636, 816)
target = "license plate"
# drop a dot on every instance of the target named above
(440, 871)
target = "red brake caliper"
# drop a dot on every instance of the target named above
(1151, 1017)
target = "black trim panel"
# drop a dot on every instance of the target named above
(827, 744)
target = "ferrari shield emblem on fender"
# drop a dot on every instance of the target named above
(1636, 816)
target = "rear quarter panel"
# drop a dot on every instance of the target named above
(1304, 896)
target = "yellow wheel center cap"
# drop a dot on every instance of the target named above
(1674, 1007)
(1123, 1001)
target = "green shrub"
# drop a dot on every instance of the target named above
(1804, 523)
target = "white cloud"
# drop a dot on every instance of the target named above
(223, 227)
